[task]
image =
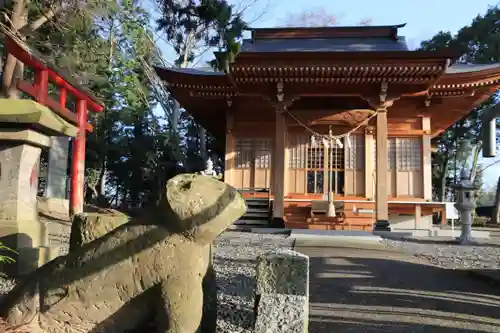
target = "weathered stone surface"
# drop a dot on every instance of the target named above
(282, 292)
(23, 111)
(281, 313)
(20, 228)
(18, 181)
(283, 272)
(148, 269)
(87, 227)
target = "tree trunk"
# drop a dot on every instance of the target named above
(442, 181)
(203, 143)
(473, 172)
(102, 180)
(495, 218)
(176, 114)
(9, 69)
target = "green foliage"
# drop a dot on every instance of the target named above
(4, 258)
(460, 145)
(108, 46)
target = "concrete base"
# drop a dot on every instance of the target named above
(18, 234)
(333, 235)
(434, 232)
(382, 225)
(30, 240)
(270, 231)
(57, 206)
(29, 259)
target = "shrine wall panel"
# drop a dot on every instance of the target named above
(252, 167)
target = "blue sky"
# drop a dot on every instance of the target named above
(424, 18)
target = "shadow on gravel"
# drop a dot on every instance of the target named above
(361, 291)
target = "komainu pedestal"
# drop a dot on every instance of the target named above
(25, 127)
(152, 270)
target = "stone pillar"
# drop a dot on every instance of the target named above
(282, 292)
(20, 228)
(279, 168)
(57, 176)
(382, 192)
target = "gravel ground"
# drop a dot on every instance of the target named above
(234, 261)
(451, 256)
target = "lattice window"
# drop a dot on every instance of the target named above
(336, 156)
(391, 149)
(253, 151)
(408, 154)
(244, 152)
(297, 152)
(391, 152)
(316, 157)
(262, 149)
(355, 158)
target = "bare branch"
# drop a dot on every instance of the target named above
(30, 28)
(312, 18)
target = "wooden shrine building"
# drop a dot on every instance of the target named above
(290, 88)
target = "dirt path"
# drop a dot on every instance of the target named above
(360, 288)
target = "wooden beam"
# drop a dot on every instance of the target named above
(64, 113)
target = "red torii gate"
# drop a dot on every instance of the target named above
(46, 72)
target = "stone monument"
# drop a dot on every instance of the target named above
(209, 171)
(25, 127)
(149, 270)
(465, 205)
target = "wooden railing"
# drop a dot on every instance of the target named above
(45, 73)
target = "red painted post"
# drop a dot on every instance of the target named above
(42, 86)
(63, 93)
(78, 160)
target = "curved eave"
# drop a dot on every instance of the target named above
(473, 78)
(403, 57)
(193, 78)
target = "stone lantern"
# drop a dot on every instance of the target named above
(465, 204)
(25, 128)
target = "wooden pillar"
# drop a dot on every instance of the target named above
(230, 154)
(418, 215)
(426, 159)
(78, 160)
(369, 164)
(286, 186)
(279, 166)
(382, 191)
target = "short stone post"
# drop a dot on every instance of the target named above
(465, 205)
(282, 292)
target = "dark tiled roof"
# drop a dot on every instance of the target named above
(208, 71)
(468, 68)
(325, 45)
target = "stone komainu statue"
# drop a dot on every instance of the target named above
(148, 269)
